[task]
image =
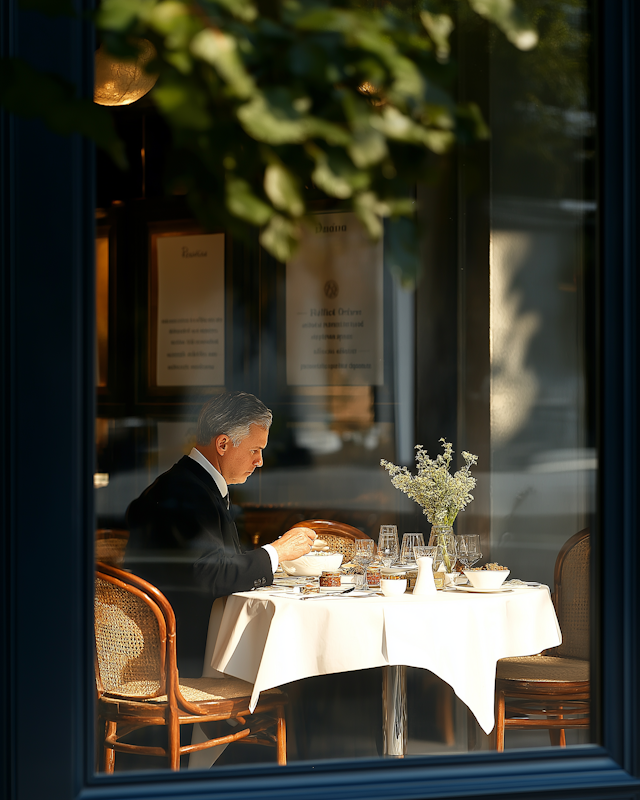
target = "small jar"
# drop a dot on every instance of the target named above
(411, 576)
(373, 577)
(330, 580)
(439, 579)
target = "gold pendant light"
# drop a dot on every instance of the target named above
(119, 82)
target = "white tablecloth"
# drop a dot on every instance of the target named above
(269, 640)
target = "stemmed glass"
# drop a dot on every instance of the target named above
(364, 555)
(409, 541)
(469, 549)
(420, 551)
(388, 545)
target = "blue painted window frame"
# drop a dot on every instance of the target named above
(46, 450)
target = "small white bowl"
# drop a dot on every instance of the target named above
(392, 588)
(487, 578)
(311, 566)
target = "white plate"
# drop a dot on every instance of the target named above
(479, 591)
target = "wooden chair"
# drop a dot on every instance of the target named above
(552, 690)
(338, 535)
(138, 683)
(110, 546)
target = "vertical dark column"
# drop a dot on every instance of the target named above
(616, 650)
(46, 430)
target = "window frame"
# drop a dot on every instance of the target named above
(47, 306)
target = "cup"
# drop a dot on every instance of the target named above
(393, 588)
(409, 541)
(388, 549)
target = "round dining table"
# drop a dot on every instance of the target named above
(270, 638)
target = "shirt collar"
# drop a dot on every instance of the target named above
(197, 456)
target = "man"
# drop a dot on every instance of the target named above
(186, 511)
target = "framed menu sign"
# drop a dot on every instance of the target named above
(187, 320)
(334, 305)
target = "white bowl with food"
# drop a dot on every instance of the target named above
(313, 564)
(487, 578)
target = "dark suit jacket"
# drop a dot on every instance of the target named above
(183, 519)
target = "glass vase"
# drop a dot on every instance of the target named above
(442, 536)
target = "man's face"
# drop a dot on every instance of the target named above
(237, 463)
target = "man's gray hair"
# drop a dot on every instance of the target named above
(231, 414)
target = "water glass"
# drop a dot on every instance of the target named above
(388, 549)
(364, 555)
(469, 549)
(409, 541)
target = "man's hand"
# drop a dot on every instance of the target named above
(294, 543)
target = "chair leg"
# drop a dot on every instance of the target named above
(444, 714)
(557, 735)
(499, 725)
(110, 729)
(173, 735)
(281, 737)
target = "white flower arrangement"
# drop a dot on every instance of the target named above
(441, 495)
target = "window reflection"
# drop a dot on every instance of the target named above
(505, 370)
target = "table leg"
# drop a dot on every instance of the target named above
(394, 711)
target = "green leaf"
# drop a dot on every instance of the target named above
(368, 147)
(183, 102)
(243, 203)
(221, 52)
(471, 118)
(330, 183)
(241, 9)
(335, 173)
(283, 190)
(271, 117)
(370, 211)
(332, 133)
(402, 251)
(510, 19)
(395, 125)
(122, 15)
(280, 238)
(408, 82)
(439, 27)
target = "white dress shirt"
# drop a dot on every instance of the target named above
(197, 456)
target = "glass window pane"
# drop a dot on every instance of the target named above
(491, 350)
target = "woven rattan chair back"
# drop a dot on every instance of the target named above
(130, 642)
(339, 536)
(572, 597)
(138, 684)
(111, 544)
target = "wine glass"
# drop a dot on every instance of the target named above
(469, 549)
(364, 555)
(409, 541)
(450, 554)
(438, 557)
(420, 551)
(388, 545)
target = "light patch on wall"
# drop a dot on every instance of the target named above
(514, 385)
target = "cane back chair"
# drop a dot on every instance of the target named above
(138, 683)
(551, 690)
(111, 544)
(339, 536)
